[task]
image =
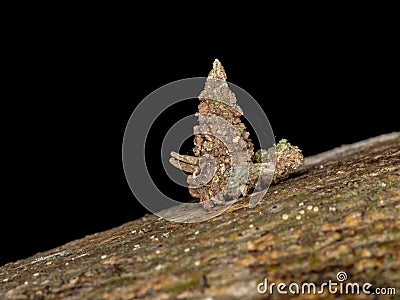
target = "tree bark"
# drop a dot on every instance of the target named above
(338, 213)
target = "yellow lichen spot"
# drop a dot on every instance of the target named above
(365, 253)
(352, 219)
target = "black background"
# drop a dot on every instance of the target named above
(73, 95)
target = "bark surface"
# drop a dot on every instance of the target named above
(339, 212)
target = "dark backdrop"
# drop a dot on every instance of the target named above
(73, 96)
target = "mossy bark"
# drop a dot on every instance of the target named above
(340, 212)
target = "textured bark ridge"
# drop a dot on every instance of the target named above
(224, 165)
(338, 213)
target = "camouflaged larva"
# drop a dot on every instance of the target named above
(224, 165)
